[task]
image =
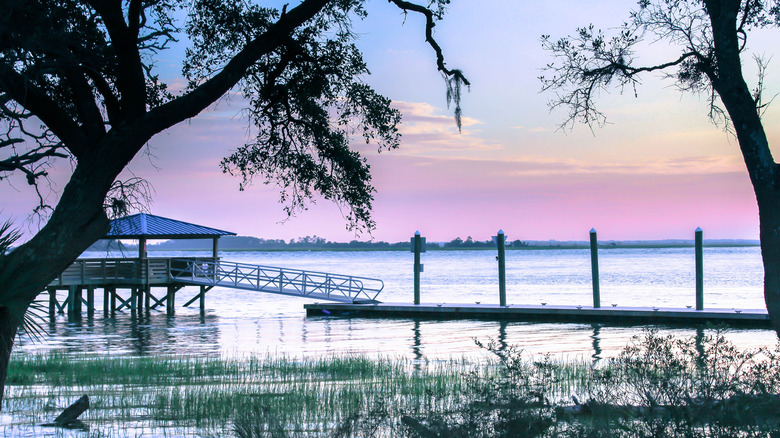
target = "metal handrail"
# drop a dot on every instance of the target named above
(313, 284)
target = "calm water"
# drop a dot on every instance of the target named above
(242, 322)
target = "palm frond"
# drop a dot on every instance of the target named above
(8, 236)
(34, 319)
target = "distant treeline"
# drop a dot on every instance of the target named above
(247, 243)
(313, 243)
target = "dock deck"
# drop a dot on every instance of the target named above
(757, 318)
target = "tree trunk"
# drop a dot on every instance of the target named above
(769, 214)
(729, 82)
(9, 326)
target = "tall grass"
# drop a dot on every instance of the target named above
(659, 386)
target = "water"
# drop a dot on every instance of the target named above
(242, 322)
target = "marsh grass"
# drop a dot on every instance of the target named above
(657, 387)
(305, 395)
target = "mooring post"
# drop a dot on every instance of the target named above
(594, 267)
(500, 242)
(699, 270)
(417, 248)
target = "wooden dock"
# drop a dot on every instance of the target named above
(757, 318)
(148, 283)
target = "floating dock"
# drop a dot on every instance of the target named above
(756, 318)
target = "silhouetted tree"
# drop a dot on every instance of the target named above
(711, 36)
(78, 83)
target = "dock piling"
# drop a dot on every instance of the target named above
(500, 242)
(594, 267)
(170, 301)
(699, 270)
(417, 248)
(90, 300)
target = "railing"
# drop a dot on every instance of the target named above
(295, 282)
(119, 271)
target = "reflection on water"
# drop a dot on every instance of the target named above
(596, 342)
(190, 333)
(242, 322)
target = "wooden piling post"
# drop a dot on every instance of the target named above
(417, 249)
(52, 302)
(90, 300)
(112, 291)
(500, 242)
(133, 299)
(594, 267)
(699, 270)
(170, 301)
(106, 302)
(147, 298)
(202, 300)
(71, 301)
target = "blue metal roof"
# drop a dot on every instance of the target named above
(149, 226)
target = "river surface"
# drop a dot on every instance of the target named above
(240, 322)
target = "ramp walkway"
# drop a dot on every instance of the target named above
(294, 282)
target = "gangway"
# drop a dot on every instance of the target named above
(308, 284)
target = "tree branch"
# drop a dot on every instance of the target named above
(192, 103)
(454, 78)
(130, 74)
(42, 106)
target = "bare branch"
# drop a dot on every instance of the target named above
(454, 78)
(133, 194)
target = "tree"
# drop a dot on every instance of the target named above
(711, 36)
(78, 83)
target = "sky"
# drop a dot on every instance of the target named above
(658, 170)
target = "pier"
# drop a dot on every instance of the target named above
(756, 318)
(144, 283)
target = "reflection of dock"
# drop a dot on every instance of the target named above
(517, 312)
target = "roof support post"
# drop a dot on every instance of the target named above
(142, 248)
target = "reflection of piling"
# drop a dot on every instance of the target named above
(500, 242)
(699, 270)
(594, 267)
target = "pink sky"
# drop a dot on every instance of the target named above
(660, 170)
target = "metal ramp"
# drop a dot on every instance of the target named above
(294, 282)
